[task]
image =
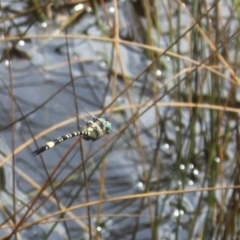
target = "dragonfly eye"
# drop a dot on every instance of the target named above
(108, 127)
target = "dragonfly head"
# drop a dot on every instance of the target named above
(108, 127)
(106, 124)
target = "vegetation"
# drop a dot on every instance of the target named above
(165, 74)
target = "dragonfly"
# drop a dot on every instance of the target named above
(94, 129)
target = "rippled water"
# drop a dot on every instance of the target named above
(153, 154)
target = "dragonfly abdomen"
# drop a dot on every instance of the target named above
(56, 141)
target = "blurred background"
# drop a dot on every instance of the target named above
(165, 74)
